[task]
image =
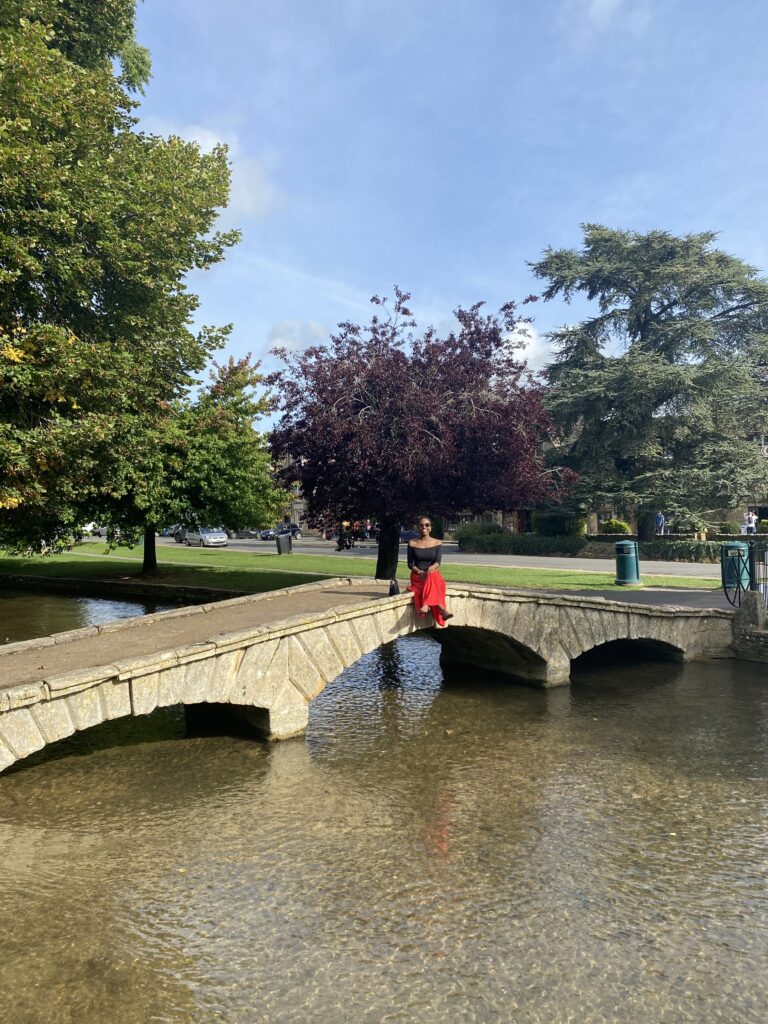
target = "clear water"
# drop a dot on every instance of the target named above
(472, 852)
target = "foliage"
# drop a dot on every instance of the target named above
(99, 225)
(386, 420)
(680, 550)
(615, 526)
(762, 526)
(728, 528)
(661, 392)
(492, 539)
(559, 524)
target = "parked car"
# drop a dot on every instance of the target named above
(291, 528)
(267, 534)
(406, 535)
(170, 531)
(181, 535)
(207, 537)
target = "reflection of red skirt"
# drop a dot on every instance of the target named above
(429, 591)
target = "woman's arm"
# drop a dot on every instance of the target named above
(438, 549)
(411, 558)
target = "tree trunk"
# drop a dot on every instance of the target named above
(646, 524)
(389, 547)
(150, 549)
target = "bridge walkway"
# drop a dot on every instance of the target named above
(30, 661)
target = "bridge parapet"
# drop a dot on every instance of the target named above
(273, 671)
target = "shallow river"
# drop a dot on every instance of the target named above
(26, 613)
(429, 853)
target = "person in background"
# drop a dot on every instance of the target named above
(751, 520)
(425, 555)
(660, 520)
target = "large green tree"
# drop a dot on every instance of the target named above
(661, 393)
(99, 226)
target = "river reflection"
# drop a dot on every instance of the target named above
(472, 852)
(25, 614)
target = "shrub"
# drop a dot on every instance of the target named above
(615, 526)
(729, 528)
(559, 524)
(762, 526)
(680, 550)
(491, 539)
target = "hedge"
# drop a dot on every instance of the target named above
(487, 538)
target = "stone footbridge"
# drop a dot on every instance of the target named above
(268, 655)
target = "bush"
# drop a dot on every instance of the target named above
(762, 526)
(488, 538)
(615, 526)
(680, 550)
(728, 528)
(559, 524)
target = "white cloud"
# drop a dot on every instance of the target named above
(295, 335)
(536, 350)
(252, 194)
(585, 20)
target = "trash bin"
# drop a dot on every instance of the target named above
(284, 544)
(627, 562)
(734, 564)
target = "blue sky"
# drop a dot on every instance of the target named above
(441, 146)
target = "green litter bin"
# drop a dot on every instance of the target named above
(284, 544)
(734, 564)
(627, 563)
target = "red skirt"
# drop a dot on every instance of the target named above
(430, 592)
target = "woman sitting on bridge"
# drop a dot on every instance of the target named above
(427, 584)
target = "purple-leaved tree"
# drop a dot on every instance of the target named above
(389, 421)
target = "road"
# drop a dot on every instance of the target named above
(316, 546)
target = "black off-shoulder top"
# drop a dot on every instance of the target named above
(423, 558)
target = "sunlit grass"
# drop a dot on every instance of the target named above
(256, 572)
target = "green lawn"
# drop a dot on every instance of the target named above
(256, 573)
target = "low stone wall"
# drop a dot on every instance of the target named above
(750, 636)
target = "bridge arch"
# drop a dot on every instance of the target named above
(273, 671)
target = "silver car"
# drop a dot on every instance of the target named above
(207, 537)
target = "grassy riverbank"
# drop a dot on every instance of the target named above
(254, 572)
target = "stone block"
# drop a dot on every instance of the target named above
(131, 668)
(144, 693)
(53, 719)
(342, 637)
(323, 654)
(302, 671)
(74, 634)
(85, 708)
(115, 699)
(288, 722)
(263, 672)
(195, 652)
(169, 687)
(7, 757)
(20, 733)
(497, 615)
(24, 695)
(80, 679)
(366, 634)
(223, 675)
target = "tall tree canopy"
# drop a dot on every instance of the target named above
(386, 421)
(99, 226)
(661, 393)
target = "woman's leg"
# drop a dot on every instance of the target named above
(434, 596)
(417, 589)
